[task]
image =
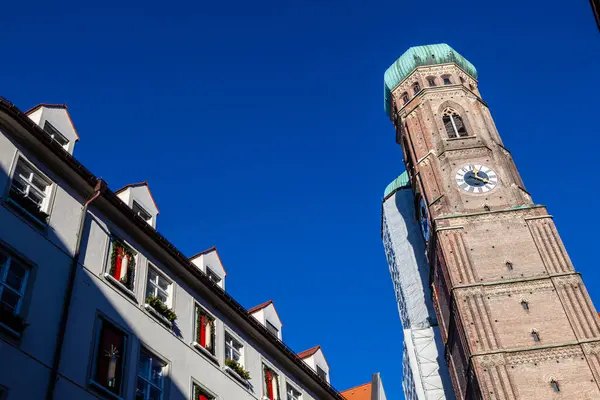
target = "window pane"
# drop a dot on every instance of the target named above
(144, 366)
(152, 275)
(155, 394)
(156, 376)
(19, 185)
(16, 275)
(163, 283)
(3, 260)
(39, 183)
(150, 290)
(140, 390)
(10, 299)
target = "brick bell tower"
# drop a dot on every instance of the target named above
(515, 317)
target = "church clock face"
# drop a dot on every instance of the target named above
(476, 178)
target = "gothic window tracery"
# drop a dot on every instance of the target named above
(455, 126)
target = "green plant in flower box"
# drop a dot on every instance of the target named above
(161, 308)
(234, 365)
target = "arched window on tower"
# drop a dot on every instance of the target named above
(431, 81)
(405, 98)
(455, 127)
(416, 88)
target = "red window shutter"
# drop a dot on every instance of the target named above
(202, 331)
(111, 341)
(270, 384)
(118, 263)
(202, 397)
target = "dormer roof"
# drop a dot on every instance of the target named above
(307, 353)
(139, 184)
(264, 305)
(55, 106)
(208, 251)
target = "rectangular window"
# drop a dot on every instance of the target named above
(270, 384)
(201, 394)
(122, 263)
(55, 135)
(158, 287)
(141, 212)
(30, 190)
(293, 394)
(205, 330)
(322, 374)
(234, 349)
(150, 377)
(212, 276)
(271, 328)
(13, 280)
(109, 358)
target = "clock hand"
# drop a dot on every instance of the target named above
(484, 180)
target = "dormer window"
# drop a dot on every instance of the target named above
(272, 328)
(322, 374)
(55, 135)
(212, 276)
(141, 212)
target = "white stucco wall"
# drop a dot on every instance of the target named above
(49, 252)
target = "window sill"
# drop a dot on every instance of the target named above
(237, 376)
(10, 331)
(205, 352)
(13, 205)
(460, 138)
(156, 314)
(98, 387)
(120, 286)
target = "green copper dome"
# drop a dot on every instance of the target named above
(398, 183)
(414, 57)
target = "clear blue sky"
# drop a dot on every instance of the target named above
(261, 130)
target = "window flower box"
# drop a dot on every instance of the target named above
(128, 292)
(237, 371)
(160, 310)
(206, 352)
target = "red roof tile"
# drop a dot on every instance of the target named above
(309, 352)
(362, 392)
(260, 306)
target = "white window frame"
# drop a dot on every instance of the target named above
(4, 286)
(146, 379)
(156, 288)
(54, 133)
(28, 183)
(291, 391)
(234, 338)
(263, 376)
